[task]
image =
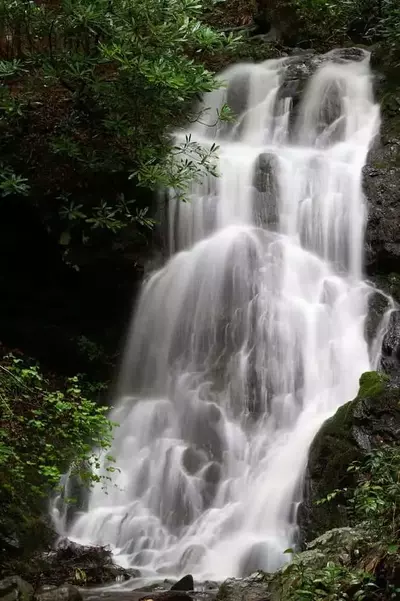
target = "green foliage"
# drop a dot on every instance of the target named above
(375, 501)
(362, 21)
(374, 505)
(389, 28)
(10, 183)
(90, 93)
(44, 429)
(332, 582)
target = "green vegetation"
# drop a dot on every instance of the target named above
(375, 501)
(369, 571)
(89, 93)
(46, 428)
(325, 23)
(333, 582)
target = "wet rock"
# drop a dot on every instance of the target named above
(155, 587)
(67, 592)
(253, 588)
(81, 565)
(184, 584)
(267, 192)
(378, 304)
(193, 459)
(255, 559)
(171, 595)
(210, 585)
(390, 359)
(15, 588)
(382, 190)
(372, 418)
(381, 181)
(343, 55)
(133, 573)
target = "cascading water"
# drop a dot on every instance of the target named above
(250, 336)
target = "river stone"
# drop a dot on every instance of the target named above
(372, 418)
(15, 588)
(67, 592)
(184, 584)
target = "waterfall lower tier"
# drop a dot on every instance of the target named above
(250, 336)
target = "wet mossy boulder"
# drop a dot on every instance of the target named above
(371, 419)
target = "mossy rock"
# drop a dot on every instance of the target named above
(371, 419)
(340, 546)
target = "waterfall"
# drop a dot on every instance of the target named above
(251, 335)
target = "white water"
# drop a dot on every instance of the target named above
(249, 337)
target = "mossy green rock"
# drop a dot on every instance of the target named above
(340, 546)
(371, 419)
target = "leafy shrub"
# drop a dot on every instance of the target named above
(375, 501)
(325, 23)
(332, 582)
(44, 429)
(374, 506)
(90, 92)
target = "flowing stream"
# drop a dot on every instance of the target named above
(250, 336)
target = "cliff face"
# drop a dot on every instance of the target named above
(382, 188)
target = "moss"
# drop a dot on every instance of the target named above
(372, 384)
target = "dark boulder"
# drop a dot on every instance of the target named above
(14, 588)
(184, 584)
(67, 592)
(171, 595)
(265, 183)
(371, 419)
(378, 304)
(254, 588)
(390, 359)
